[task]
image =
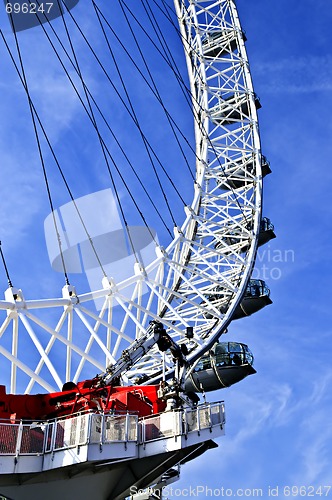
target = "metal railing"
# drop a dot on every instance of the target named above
(181, 422)
(204, 417)
(18, 439)
(113, 428)
(97, 428)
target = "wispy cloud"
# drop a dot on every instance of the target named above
(314, 436)
(22, 187)
(293, 74)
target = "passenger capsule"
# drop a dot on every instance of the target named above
(226, 364)
(266, 169)
(241, 172)
(222, 42)
(266, 232)
(240, 238)
(233, 108)
(256, 296)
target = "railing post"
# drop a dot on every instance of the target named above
(102, 431)
(126, 427)
(185, 423)
(179, 422)
(45, 438)
(19, 439)
(54, 433)
(80, 423)
(88, 431)
(198, 421)
(142, 424)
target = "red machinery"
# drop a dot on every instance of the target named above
(86, 395)
(102, 392)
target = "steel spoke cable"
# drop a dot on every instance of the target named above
(34, 115)
(116, 140)
(167, 54)
(153, 82)
(199, 123)
(148, 84)
(108, 152)
(182, 84)
(163, 53)
(149, 73)
(115, 89)
(136, 119)
(126, 107)
(59, 168)
(41, 157)
(98, 133)
(89, 116)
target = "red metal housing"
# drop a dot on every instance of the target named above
(81, 397)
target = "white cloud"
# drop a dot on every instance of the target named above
(296, 74)
(278, 421)
(314, 436)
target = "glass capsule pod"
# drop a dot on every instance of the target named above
(221, 42)
(237, 236)
(237, 171)
(266, 231)
(256, 296)
(226, 364)
(233, 108)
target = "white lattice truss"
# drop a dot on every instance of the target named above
(211, 255)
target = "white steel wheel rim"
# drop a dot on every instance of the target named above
(185, 274)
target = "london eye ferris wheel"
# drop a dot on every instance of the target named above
(194, 282)
(163, 220)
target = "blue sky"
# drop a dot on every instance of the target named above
(279, 430)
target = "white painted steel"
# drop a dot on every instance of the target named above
(227, 202)
(83, 429)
